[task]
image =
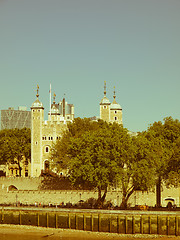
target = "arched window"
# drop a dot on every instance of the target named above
(46, 165)
(47, 149)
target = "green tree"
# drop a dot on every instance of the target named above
(101, 155)
(94, 156)
(14, 144)
(59, 152)
(165, 137)
(138, 170)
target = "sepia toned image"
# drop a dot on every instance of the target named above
(90, 119)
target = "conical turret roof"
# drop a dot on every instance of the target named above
(105, 100)
(114, 104)
(37, 103)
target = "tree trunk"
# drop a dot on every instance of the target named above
(19, 165)
(158, 193)
(126, 196)
(101, 199)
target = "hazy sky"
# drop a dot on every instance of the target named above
(76, 45)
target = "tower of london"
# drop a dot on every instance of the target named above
(45, 133)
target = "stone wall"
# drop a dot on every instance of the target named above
(28, 193)
(21, 183)
(74, 196)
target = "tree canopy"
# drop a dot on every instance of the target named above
(165, 137)
(100, 155)
(15, 143)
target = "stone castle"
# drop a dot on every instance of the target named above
(45, 133)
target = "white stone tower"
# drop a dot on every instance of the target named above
(110, 112)
(37, 118)
(105, 106)
(115, 111)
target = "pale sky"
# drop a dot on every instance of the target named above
(76, 45)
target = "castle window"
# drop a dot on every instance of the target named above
(44, 138)
(26, 173)
(38, 110)
(51, 138)
(36, 143)
(105, 107)
(115, 111)
(47, 149)
(115, 118)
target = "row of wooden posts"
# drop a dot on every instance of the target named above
(102, 222)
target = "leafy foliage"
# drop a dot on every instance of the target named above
(165, 138)
(15, 143)
(102, 155)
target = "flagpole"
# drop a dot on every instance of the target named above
(50, 101)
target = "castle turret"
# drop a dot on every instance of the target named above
(115, 111)
(105, 106)
(54, 114)
(37, 118)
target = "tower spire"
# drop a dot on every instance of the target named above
(114, 96)
(37, 95)
(104, 88)
(54, 98)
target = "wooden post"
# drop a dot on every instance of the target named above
(84, 222)
(69, 221)
(118, 224)
(99, 222)
(141, 225)
(176, 226)
(92, 223)
(149, 224)
(47, 220)
(158, 225)
(167, 225)
(76, 221)
(38, 219)
(133, 225)
(110, 223)
(125, 223)
(56, 221)
(20, 222)
(2, 221)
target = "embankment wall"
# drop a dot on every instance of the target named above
(102, 221)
